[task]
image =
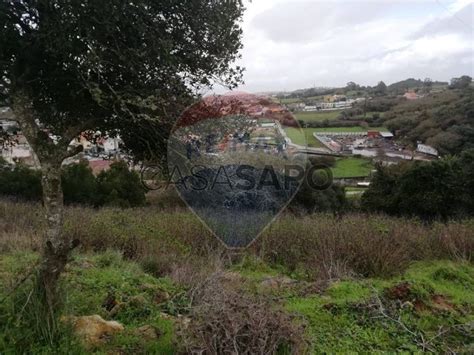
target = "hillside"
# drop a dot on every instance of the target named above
(444, 120)
(411, 83)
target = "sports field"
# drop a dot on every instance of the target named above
(352, 167)
(303, 136)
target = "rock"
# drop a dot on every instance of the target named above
(148, 332)
(93, 330)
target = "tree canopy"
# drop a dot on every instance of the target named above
(69, 66)
(111, 64)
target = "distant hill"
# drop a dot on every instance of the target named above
(399, 87)
(411, 83)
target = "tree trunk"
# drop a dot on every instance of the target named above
(56, 246)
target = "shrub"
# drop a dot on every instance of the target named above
(20, 182)
(120, 187)
(441, 189)
(79, 184)
(226, 320)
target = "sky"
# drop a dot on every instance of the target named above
(295, 44)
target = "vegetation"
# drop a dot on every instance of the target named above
(117, 187)
(320, 283)
(352, 167)
(20, 182)
(303, 136)
(317, 116)
(440, 189)
(112, 67)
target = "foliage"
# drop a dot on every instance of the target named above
(430, 190)
(119, 186)
(460, 83)
(227, 320)
(79, 184)
(427, 308)
(20, 182)
(62, 56)
(443, 120)
(403, 86)
(93, 283)
(381, 88)
(311, 200)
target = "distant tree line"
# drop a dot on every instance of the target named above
(118, 186)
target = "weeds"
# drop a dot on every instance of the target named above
(319, 246)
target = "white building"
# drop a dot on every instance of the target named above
(426, 149)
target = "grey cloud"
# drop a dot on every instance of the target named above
(303, 21)
(461, 22)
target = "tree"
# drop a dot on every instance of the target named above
(427, 84)
(381, 88)
(71, 66)
(440, 189)
(460, 83)
(79, 184)
(352, 86)
(121, 187)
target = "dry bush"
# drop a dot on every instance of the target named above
(225, 320)
(21, 226)
(456, 240)
(325, 247)
(321, 246)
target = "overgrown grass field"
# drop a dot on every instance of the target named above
(315, 284)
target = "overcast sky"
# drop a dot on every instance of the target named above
(294, 44)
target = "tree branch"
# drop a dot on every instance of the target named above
(74, 131)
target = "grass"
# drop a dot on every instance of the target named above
(297, 137)
(341, 319)
(317, 116)
(91, 279)
(340, 268)
(352, 167)
(303, 136)
(289, 100)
